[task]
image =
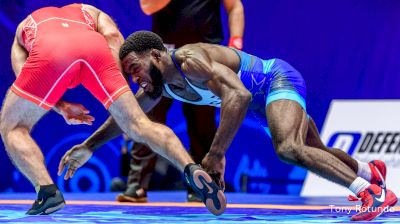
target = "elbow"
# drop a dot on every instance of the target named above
(239, 99)
(235, 9)
(244, 96)
(114, 38)
(150, 7)
(148, 11)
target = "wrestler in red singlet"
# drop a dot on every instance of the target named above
(64, 51)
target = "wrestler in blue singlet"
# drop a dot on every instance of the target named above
(267, 81)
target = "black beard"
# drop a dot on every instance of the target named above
(157, 82)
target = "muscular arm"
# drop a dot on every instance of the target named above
(152, 6)
(234, 9)
(110, 129)
(224, 83)
(106, 132)
(107, 27)
(18, 52)
(235, 101)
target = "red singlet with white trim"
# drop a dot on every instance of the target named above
(65, 50)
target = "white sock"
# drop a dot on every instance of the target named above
(358, 185)
(363, 170)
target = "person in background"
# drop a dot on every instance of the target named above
(181, 22)
(118, 183)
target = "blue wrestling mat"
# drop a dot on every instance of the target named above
(170, 207)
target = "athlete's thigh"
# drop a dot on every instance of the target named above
(17, 111)
(286, 121)
(126, 111)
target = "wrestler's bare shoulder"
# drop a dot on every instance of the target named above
(93, 11)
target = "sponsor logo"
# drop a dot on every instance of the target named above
(382, 197)
(383, 145)
(343, 140)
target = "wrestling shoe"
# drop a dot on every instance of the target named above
(375, 201)
(378, 172)
(49, 200)
(134, 195)
(204, 186)
(191, 196)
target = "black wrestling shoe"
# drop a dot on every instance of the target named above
(204, 186)
(49, 200)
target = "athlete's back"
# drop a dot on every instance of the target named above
(50, 25)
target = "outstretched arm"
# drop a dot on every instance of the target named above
(110, 129)
(81, 153)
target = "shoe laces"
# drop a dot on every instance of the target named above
(362, 196)
(140, 192)
(35, 203)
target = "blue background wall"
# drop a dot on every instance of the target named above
(345, 49)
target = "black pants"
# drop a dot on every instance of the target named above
(201, 130)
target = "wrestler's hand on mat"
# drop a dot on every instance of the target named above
(73, 113)
(214, 164)
(74, 158)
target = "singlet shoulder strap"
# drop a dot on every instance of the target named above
(178, 66)
(182, 73)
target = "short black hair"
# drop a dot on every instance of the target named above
(140, 42)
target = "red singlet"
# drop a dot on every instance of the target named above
(64, 51)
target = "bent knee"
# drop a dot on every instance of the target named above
(9, 123)
(287, 151)
(13, 136)
(5, 126)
